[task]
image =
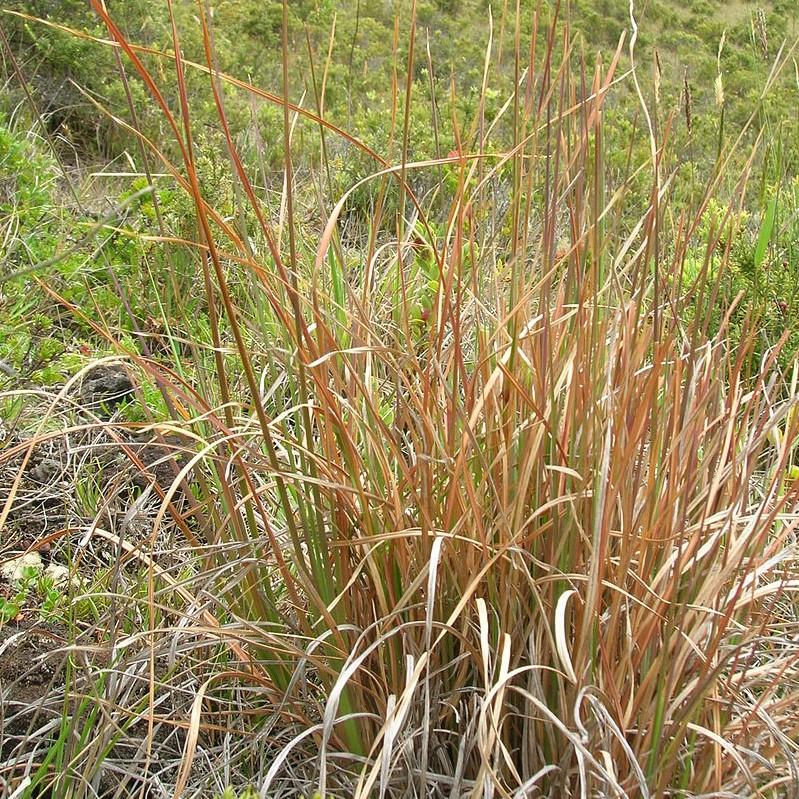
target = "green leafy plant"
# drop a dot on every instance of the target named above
(231, 793)
(11, 608)
(35, 591)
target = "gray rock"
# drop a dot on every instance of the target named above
(104, 387)
(45, 471)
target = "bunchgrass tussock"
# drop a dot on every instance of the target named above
(467, 503)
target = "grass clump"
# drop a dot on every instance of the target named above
(479, 497)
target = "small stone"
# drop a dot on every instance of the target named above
(104, 387)
(14, 570)
(57, 573)
(45, 471)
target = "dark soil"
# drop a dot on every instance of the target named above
(31, 672)
(32, 694)
(48, 513)
(29, 662)
(123, 462)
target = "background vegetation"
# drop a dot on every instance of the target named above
(705, 63)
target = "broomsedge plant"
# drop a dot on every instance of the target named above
(475, 510)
